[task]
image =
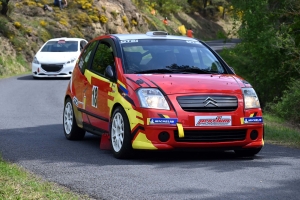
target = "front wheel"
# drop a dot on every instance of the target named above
(120, 136)
(247, 152)
(71, 130)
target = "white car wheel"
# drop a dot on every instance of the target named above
(71, 130)
(120, 134)
(117, 132)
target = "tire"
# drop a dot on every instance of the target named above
(247, 152)
(120, 136)
(71, 130)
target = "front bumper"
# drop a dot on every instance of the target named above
(52, 70)
(166, 137)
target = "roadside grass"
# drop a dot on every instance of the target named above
(278, 131)
(16, 183)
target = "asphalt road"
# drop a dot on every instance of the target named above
(219, 45)
(31, 135)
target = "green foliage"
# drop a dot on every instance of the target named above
(10, 65)
(268, 57)
(288, 106)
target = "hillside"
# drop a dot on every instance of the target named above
(26, 26)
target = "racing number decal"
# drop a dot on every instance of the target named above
(94, 96)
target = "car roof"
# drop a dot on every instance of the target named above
(66, 39)
(152, 35)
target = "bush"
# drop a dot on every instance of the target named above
(288, 106)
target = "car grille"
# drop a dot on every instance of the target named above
(204, 103)
(52, 67)
(211, 135)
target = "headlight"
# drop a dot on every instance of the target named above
(35, 61)
(250, 98)
(72, 60)
(152, 98)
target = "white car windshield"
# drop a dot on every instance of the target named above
(169, 56)
(60, 46)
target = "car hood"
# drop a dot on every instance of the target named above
(183, 84)
(56, 57)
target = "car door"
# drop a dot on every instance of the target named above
(99, 86)
(79, 82)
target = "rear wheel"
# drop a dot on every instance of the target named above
(247, 152)
(120, 134)
(71, 130)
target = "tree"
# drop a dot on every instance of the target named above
(269, 48)
(4, 9)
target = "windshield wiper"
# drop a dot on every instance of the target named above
(197, 70)
(162, 71)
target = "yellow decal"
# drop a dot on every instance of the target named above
(141, 142)
(252, 115)
(166, 116)
(242, 120)
(131, 113)
(118, 98)
(88, 74)
(121, 83)
(180, 130)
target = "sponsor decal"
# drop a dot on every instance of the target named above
(94, 96)
(163, 120)
(248, 120)
(213, 121)
(75, 101)
(193, 42)
(128, 41)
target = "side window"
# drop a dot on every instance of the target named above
(103, 57)
(210, 62)
(84, 59)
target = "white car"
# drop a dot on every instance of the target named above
(57, 57)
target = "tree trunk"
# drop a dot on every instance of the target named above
(4, 7)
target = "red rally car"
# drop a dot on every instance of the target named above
(156, 91)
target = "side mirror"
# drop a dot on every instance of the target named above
(109, 72)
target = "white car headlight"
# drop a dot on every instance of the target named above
(72, 60)
(250, 98)
(35, 60)
(152, 98)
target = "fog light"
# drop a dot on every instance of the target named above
(254, 135)
(164, 136)
(70, 72)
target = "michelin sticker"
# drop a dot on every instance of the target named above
(163, 120)
(248, 120)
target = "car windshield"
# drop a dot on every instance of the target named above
(169, 56)
(60, 46)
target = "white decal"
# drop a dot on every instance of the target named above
(94, 96)
(213, 121)
(192, 42)
(128, 41)
(75, 101)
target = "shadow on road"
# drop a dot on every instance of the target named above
(30, 77)
(48, 143)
